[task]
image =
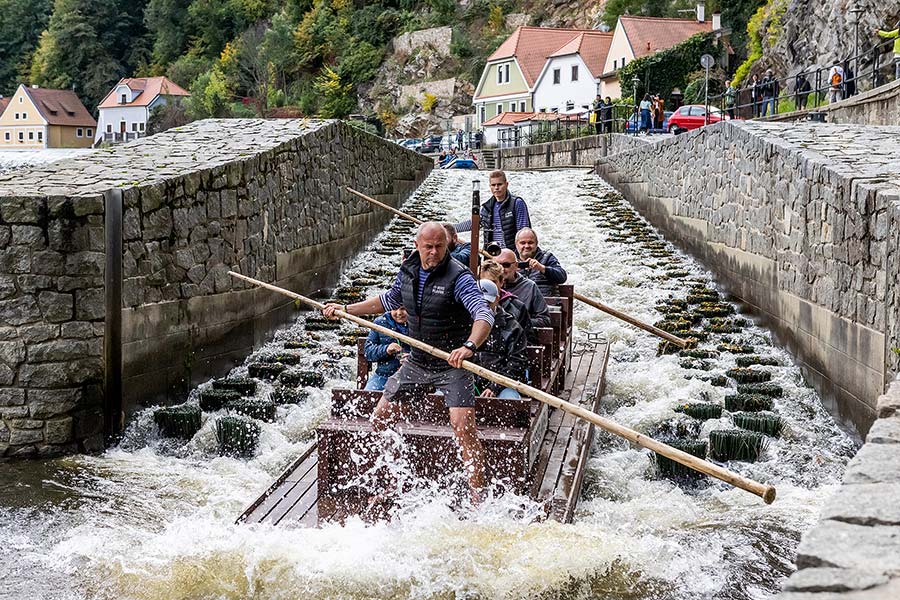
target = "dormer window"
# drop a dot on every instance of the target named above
(123, 99)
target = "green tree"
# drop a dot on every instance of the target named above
(167, 22)
(89, 45)
(21, 23)
(337, 99)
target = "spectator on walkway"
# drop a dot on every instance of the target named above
(835, 83)
(893, 35)
(754, 96)
(849, 81)
(596, 111)
(645, 107)
(659, 111)
(769, 90)
(606, 114)
(730, 93)
(801, 89)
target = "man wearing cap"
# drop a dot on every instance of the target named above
(502, 215)
(446, 310)
(524, 289)
(504, 350)
(543, 268)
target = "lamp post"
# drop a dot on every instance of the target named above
(634, 83)
(855, 11)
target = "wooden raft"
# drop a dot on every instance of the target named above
(532, 448)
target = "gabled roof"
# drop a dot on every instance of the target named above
(531, 46)
(60, 107)
(512, 118)
(592, 46)
(4, 102)
(648, 35)
(148, 89)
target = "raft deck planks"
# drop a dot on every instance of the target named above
(292, 499)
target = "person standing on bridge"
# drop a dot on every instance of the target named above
(769, 90)
(502, 216)
(543, 268)
(446, 310)
(894, 34)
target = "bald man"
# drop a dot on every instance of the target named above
(524, 289)
(447, 310)
(543, 268)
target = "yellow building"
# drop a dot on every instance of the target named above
(37, 118)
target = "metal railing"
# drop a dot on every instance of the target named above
(811, 88)
(617, 118)
(127, 136)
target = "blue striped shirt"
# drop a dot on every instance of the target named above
(466, 292)
(522, 219)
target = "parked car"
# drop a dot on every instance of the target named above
(630, 127)
(412, 143)
(692, 116)
(431, 143)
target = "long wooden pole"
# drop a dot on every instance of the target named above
(680, 342)
(766, 492)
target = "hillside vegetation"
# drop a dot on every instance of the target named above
(287, 57)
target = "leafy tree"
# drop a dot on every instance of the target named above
(187, 68)
(89, 45)
(337, 101)
(21, 22)
(210, 95)
(660, 72)
(166, 21)
(360, 63)
(167, 116)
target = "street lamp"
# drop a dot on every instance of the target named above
(855, 11)
(634, 83)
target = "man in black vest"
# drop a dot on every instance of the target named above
(543, 268)
(502, 216)
(446, 310)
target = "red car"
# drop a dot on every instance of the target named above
(693, 116)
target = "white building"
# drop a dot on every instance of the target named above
(569, 81)
(125, 110)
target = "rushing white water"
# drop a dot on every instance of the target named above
(151, 519)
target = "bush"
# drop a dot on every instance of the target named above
(429, 101)
(188, 68)
(668, 68)
(360, 63)
(337, 99)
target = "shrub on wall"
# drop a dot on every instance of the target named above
(661, 72)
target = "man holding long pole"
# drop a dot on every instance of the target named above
(446, 310)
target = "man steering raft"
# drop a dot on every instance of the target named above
(543, 268)
(502, 216)
(447, 310)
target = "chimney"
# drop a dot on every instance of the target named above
(34, 87)
(717, 21)
(701, 12)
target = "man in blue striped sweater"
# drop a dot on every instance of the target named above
(447, 310)
(502, 216)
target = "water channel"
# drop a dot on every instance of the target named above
(154, 519)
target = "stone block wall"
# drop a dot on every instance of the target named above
(437, 37)
(583, 151)
(264, 198)
(799, 221)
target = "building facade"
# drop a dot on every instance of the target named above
(36, 118)
(125, 111)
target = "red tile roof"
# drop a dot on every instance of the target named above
(648, 35)
(511, 118)
(593, 46)
(507, 118)
(4, 102)
(532, 45)
(60, 107)
(148, 87)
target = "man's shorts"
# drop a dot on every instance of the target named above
(455, 384)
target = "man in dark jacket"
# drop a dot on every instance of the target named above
(460, 251)
(504, 350)
(543, 268)
(446, 309)
(524, 289)
(502, 216)
(769, 89)
(491, 269)
(385, 350)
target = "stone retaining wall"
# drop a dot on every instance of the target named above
(853, 552)
(583, 151)
(799, 221)
(880, 106)
(264, 198)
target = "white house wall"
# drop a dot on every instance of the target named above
(619, 48)
(114, 116)
(548, 95)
